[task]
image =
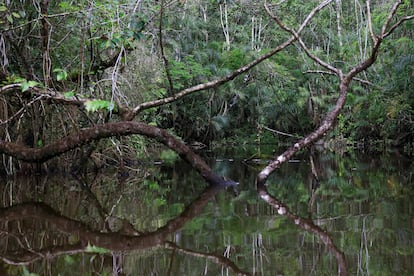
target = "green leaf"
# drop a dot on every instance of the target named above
(95, 105)
(16, 15)
(61, 74)
(28, 84)
(94, 249)
(3, 8)
(69, 94)
(10, 18)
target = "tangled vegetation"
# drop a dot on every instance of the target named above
(197, 72)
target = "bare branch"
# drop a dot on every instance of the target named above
(218, 259)
(280, 132)
(323, 128)
(231, 76)
(312, 14)
(375, 48)
(402, 20)
(332, 74)
(369, 18)
(21, 110)
(390, 17)
(164, 58)
(10, 87)
(210, 84)
(302, 44)
(329, 120)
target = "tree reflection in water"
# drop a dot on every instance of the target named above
(77, 237)
(307, 225)
(35, 232)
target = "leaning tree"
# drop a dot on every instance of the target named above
(48, 111)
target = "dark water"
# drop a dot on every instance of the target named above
(355, 217)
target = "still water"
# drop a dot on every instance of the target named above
(353, 216)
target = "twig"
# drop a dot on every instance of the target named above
(21, 110)
(281, 133)
(164, 58)
(332, 74)
(231, 76)
(300, 41)
(369, 18)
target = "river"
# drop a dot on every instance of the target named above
(353, 214)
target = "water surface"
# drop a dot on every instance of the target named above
(355, 216)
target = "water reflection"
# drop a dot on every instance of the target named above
(75, 237)
(354, 217)
(307, 225)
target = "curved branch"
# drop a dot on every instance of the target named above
(302, 44)
(87, 135)
(390, 17)
(221, 260)
(231, 76)
(58, 97)
(332, 74)
(113, 241)
(378, 40)
(393, 27)
(210, 84)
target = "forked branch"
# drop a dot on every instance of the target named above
(344, 82)
(302, 44)
(231, 76)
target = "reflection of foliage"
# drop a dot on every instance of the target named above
(156, 194)
(362, 203)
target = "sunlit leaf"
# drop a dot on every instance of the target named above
(25, 85)
(61, 74)
(94, 249)
(95, 105)
(10, 18)
(69, 94)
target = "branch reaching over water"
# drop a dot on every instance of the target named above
(344, 81)
(302, 44)
(231, 76)
(107, 130)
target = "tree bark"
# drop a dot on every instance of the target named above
(124, 128)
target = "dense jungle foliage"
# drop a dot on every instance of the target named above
(126, 52)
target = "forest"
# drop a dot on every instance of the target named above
(99, 78)
(178, 137)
